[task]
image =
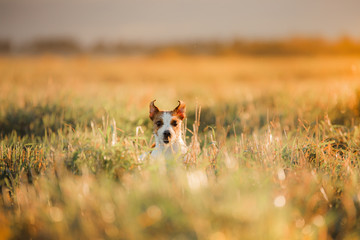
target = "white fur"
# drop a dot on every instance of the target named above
(166, 117)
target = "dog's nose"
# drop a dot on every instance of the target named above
(167, 134)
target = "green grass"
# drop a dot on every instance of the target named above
(271, 158)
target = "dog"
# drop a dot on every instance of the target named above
(167, 130)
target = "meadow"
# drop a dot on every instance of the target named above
(274, 145)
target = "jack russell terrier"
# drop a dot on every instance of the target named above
(167, 131)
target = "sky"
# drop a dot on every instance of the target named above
(156, 21)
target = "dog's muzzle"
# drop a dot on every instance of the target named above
(167, 136)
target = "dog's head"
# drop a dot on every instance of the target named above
(167, 124)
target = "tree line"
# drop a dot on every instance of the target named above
(290, 46)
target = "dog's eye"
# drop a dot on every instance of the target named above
(159, 123)
(174, 123)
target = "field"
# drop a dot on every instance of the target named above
(275, 146)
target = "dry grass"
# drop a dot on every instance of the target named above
(275, 148)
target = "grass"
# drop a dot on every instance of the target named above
(274, 145)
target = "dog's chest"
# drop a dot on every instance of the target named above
(168, 152)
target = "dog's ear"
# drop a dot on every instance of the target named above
(153, 110)
(180, 110)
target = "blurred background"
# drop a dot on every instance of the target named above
(272, 89)
(212, 27)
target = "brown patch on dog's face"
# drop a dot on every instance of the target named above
(175, 123)
(158, 121)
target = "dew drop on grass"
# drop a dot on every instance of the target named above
(280, 201)
(318, 221)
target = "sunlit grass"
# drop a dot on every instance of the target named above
(273, 144)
